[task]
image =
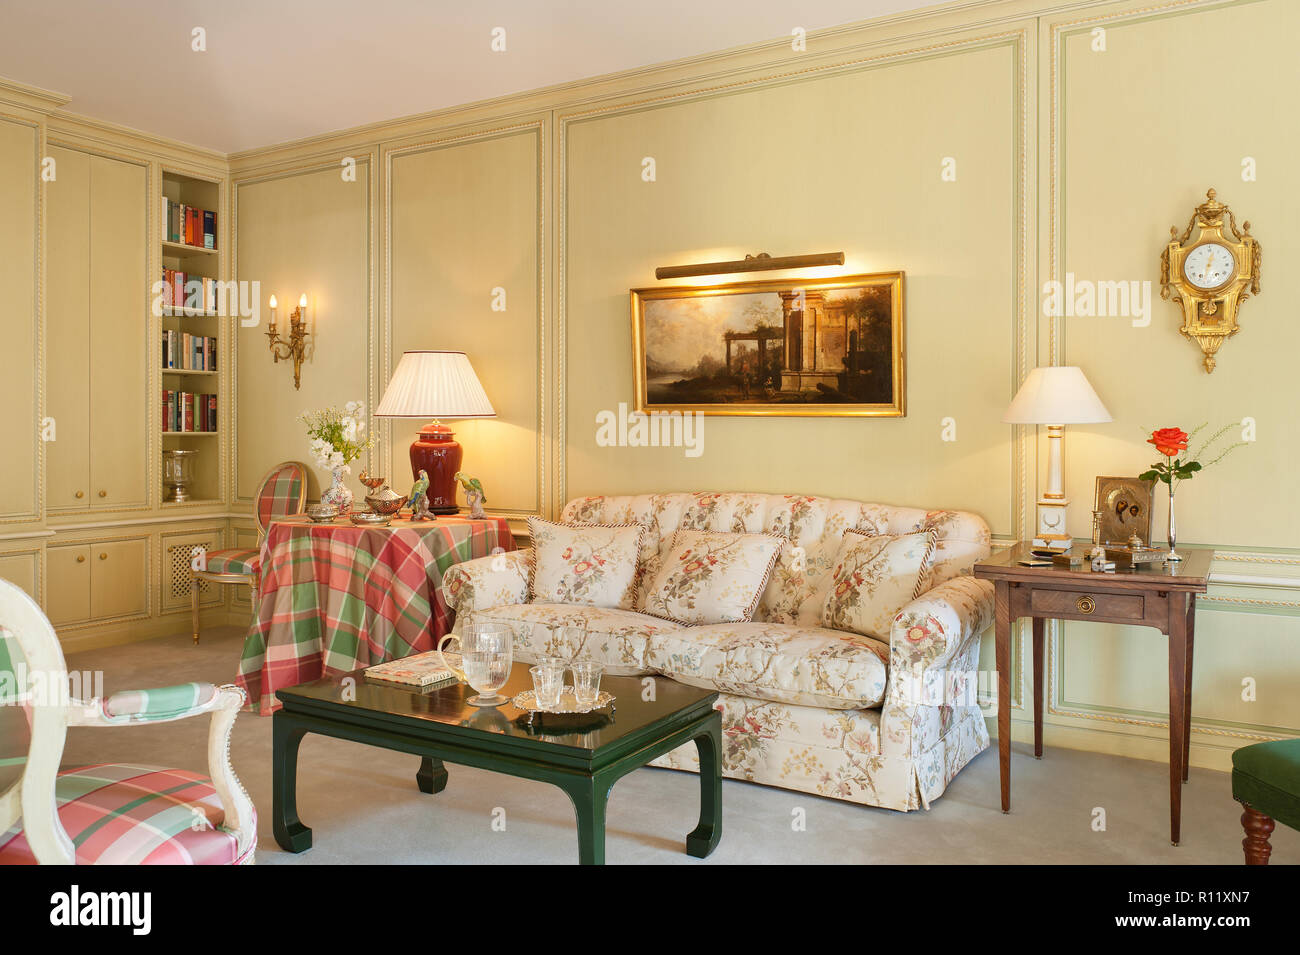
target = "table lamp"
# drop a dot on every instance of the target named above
(435, 384)
(1055, 396)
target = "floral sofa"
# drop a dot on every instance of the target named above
(803, 707)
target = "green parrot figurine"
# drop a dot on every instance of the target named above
(474, 495)
(418, 502)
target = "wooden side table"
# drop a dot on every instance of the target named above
(1163, 597)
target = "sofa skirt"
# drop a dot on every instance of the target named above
(839, 753)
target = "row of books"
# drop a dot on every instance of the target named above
(189, 225)
(185, 412)
(188, 352)
(185, 290)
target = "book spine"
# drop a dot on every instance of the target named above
(189, 411)
(209, 229)
(212, 412)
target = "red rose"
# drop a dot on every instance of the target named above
(1169, 441)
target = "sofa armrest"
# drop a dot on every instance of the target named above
(486, 582)
(934, 645)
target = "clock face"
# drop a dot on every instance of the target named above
(1209, 265)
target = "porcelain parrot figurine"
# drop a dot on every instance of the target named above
(418, 502)
(474, 495)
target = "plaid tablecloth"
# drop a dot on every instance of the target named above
(335, 597)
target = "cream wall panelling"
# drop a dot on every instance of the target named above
(20, 284)
(817, 97)
(324, 247)
(465, 221)
(1151, 377)
(97, 384)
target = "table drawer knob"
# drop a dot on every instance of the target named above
(1086, 604)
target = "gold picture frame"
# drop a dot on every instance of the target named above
(774, 347)
(1125, 505)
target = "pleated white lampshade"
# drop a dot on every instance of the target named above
(434, 384)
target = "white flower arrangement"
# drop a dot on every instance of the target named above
(338, 437)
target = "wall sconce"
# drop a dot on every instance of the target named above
(295, 344)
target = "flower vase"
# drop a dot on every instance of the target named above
(338, 493)
(1173, 529)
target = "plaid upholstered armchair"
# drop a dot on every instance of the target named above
(107, 813)
(281, 493)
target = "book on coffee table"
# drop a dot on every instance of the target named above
(423, 671)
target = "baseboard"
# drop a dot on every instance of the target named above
(1205, 752)
(137, 631)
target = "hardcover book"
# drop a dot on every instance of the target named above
(421, 670)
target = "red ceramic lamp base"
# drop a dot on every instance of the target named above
(438, 454)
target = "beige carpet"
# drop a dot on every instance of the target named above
(364, 806)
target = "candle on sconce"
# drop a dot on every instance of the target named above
(273, 307)
(302, 308)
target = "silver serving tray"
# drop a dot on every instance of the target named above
(568, 713)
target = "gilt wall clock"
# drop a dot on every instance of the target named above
(1210, 270)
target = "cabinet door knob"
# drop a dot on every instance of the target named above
(103, 494)
(1086, 604)
(81, 494)
(81, 558)
(103, 557)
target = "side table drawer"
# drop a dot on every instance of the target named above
(1066, 603)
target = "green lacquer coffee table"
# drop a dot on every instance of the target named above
(653, 716)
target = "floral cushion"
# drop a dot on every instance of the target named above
(232, 560)
(712, 577)
(619, 639)
(806, 666)
(873, 579)
(592, 564)
(129, 815)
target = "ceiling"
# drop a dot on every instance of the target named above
(279, 70)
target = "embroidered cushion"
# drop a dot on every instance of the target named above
(711, 577)
(804, 666)
(592, 564)
(873, 578)
(232, 560)
(129, 815)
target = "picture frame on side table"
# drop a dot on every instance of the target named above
(780, 347)
(1125, 505)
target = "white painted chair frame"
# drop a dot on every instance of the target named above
(32, 796)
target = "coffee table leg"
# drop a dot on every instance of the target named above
(290, 833)
(432, 775)
(589, 795)
(707, 834)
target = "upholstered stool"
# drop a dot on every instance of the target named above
(1266, 781)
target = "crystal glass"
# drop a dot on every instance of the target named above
(548, 684)
(586, 681)
(486, 653)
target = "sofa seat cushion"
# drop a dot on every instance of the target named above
(618, 639)
(805, 666)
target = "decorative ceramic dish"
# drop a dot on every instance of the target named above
(385, 501)
(568, 713)
(370, 519)
(322, 513)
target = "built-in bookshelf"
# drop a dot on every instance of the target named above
(189, 340)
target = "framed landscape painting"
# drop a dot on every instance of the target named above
(780, 347)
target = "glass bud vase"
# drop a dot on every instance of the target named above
(338, 493)
(1173, 529)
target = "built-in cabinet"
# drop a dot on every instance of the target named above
(96, 322)
(97, 580)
